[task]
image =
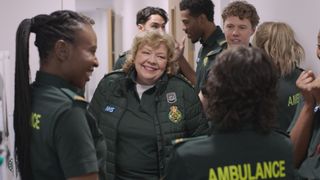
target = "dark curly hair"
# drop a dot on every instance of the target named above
(198, 7)
(243, 10)
(241, 90)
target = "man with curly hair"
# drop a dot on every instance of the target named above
(240, 20)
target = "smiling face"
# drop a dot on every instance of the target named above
(155, 22)
(150, 63)
(81, 60)
(237, 31)
(191, 26)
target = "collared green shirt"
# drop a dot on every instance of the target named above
(288, 99)
(208, 52)
(65, 140)
(245, 154)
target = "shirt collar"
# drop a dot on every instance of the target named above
(217, 34)
(44, 78)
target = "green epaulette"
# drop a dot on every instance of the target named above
(222, 45)
(213, 52)
(117, 71)
(185, 79)
(222, 42)
(73, 95)
(183, 140)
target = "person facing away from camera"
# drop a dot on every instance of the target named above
(241, 93)
(55, 136)
(278, 40)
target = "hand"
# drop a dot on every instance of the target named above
(316, 89)
(304, 83)
(179, 48)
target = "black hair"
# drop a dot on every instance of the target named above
(61, 24)
(198, 7)
(144, 14)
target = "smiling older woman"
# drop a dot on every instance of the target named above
(143, 108)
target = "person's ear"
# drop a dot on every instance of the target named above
(62, 50)
(203, 18)
(141, 27)
(253, 31)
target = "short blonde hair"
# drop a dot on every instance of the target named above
(277, 39)
(153, 39)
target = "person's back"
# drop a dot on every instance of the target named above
(288, 99)
(235, 155)
(241, 98)
(277, 39)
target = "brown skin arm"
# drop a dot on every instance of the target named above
(185, 67)
(301, 133)
(91, 176)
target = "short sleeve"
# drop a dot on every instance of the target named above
(74, 144)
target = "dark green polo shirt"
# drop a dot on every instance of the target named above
(137, 131)
(234, 155)
(64, 142)
(209, 50)
(288, 99)
(310, 166)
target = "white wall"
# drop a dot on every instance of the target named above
(15, 14)
(100, 27)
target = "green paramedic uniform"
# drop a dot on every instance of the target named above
(208, 52)
(65, 139)
(288, 99)
(233, 155)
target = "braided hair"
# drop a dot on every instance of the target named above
(59, 25)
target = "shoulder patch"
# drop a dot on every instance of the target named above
(214, 52)
(183, 140)
(222, 42)
(72, 95)
(114, 72)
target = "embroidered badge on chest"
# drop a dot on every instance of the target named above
(205, 61)
(171, 97)
(175, 115)
(109, 109)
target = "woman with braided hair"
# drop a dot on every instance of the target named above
(55, 137)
